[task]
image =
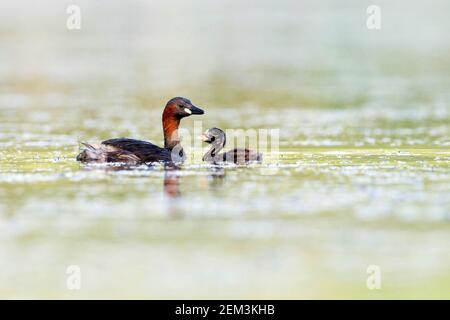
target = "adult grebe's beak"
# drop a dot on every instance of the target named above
(195, 110)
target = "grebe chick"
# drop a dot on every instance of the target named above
(217, 138)
(131, 151)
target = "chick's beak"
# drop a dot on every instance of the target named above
(204, 138)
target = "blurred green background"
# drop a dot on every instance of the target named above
(362, 177)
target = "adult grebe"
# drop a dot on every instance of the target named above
(216, 137)
(133, 151)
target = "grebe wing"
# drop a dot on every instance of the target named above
(239, 155)
(126, 143)
(144, 150)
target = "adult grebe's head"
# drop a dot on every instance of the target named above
(179, 107)
(175, 110)
(214, 136)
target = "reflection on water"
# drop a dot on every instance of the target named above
(362, 177)
(171, 186)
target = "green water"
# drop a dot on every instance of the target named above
(362, 176)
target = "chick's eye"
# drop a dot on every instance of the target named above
(213, 138)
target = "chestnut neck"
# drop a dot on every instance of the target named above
(170, 124)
